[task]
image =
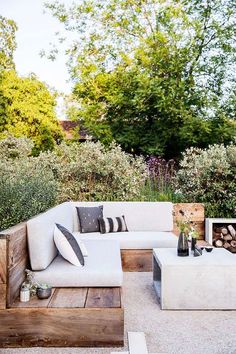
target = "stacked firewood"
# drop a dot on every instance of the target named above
(225, 236)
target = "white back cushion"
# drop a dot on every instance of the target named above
(42, 249)
(139, 216)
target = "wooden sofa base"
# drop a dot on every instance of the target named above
(136, 260)
(72, 317)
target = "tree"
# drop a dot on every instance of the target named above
(28, 110)
(7, 42)
(153, 75)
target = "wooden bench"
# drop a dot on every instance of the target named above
(70, 317)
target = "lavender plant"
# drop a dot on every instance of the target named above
(160, 182)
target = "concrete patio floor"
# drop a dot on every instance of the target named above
(173, 332)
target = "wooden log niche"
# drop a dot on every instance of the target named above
(225, 236)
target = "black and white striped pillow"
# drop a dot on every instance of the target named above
(116, 224)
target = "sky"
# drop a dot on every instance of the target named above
(35, 32)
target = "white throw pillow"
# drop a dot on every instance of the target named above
(70, 249)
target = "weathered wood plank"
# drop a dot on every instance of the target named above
(2, 296)
(3, 261)
(33, 303)
(61, 327)
(18, 259)
(69, 297)
(103, 297)
(16, 276)
(194, 212)
(136, 260)
(202, 243)
(17, 247)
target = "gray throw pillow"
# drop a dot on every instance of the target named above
(88, 218)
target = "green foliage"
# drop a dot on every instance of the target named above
(159, 185)
(25, 190)
(7, 43)
(88, 171)
(155, 76)
(151, 193)
(209, 176)
(28, 110)
(12, 148)
(134, 103)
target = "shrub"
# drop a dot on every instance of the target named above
(209, 176)
(11, 147)
(25, 190)
(89, 171)
(159, 185)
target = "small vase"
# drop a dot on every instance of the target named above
(182, 248)
(193, 243)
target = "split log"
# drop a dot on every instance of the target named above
(216, 235)
(226, 245)
(232, 231)
(233, 243)
(217, 230)
(218, 243)
(225, 236)
(224, 230)
(228, 237)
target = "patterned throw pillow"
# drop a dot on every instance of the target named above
(116, 224)
(88, 218)
(68, 246)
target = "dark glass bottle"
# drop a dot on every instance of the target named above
(193, 243)
(182, 248)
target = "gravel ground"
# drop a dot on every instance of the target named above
(172, 332)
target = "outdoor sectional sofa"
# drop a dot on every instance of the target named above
(86, 307)
(149, 225)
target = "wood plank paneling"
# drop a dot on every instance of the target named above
(103, 297)
(17, 248)
(18, 260)
(69, 297)
(194, 212)
(16, 276)
(136, 260)
(2, 296)
(3, 261)
(74, 327)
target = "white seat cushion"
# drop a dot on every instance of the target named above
(134, 239)
(102, 268)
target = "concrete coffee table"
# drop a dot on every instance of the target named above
(207, 282)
